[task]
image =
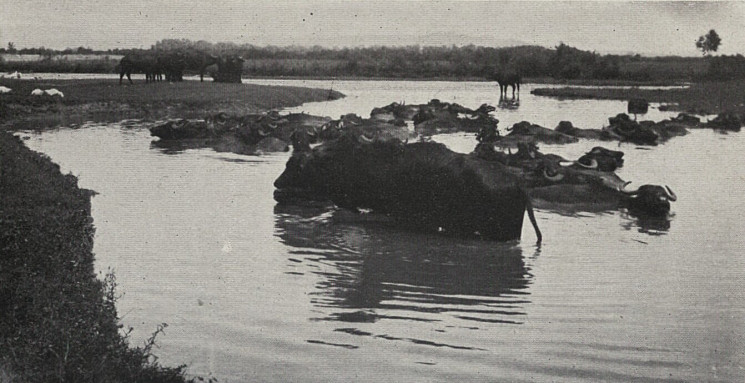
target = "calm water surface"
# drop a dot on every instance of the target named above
(253, 291)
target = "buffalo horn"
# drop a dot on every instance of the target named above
(221, 118)
(366, 139)
(593, 164)
(671, 194)
(557, 177)
(623, 190)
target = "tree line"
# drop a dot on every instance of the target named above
(562, 62)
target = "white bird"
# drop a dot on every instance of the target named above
(37, 92)
(54, 92)
(4, 89)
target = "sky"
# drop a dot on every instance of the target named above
(648, 28)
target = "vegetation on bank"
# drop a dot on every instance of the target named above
(59, 322)
(562, 62)
(106, 100)
(700, 98)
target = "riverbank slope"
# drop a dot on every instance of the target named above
(58, 320)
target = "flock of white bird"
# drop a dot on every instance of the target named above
(35, 92)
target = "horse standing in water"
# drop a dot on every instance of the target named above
(507, 78)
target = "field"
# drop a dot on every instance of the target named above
(106, 100)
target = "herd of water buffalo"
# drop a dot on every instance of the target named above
(170, 66)
(388, 164)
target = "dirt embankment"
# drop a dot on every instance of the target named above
(106, 100)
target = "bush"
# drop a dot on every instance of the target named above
(725, 68)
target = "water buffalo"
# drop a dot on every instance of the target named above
(229, 69)
(243, 134)
(525, 132)
(726, 121)
(423, 185)
(649, 199)
(567, 128)
(365, 129)
(638, 106)
(602, 159)
(633, 131)
(146, 63)
(505, 78)
(199, 61)
(623, 128)
(558, 184)
(441, 117)
(172, 64)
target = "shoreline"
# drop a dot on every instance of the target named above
(107, 101)
(61, 323)
(699, 98)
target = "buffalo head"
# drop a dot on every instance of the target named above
(602, 159)
(649, 199)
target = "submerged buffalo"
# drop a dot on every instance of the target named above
(437, 117)
(623, 128)
(244, 134)
(422, 185)
(586, 184)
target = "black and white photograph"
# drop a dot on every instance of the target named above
(372, 191)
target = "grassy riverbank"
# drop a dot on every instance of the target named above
(58, 320)
(701, 98)
(106, 100)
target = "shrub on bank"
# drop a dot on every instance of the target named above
(58, 321)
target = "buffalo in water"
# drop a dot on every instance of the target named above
(584, 184)
(506, 78)
(243, 134)
(422, 185)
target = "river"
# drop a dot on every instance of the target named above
(253, 291)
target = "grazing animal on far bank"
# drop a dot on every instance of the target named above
(139, 63)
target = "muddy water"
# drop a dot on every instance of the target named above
(253, 291)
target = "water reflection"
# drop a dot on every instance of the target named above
(177, 146)
(509, 103)
(374, 272)
(646, 224)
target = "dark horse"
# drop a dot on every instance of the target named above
(507, 78)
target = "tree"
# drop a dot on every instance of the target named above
(709, 42)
